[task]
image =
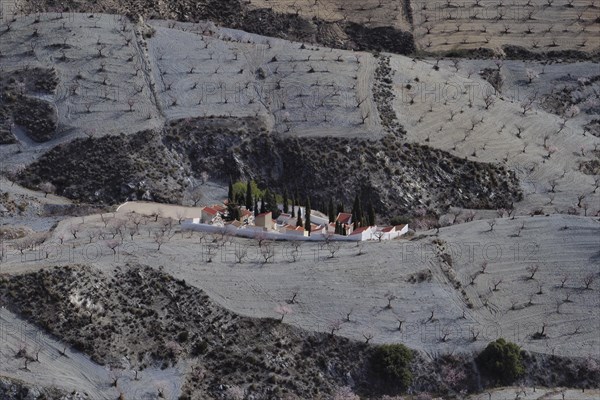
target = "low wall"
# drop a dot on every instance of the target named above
(250, 233)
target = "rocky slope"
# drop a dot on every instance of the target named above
(143, 315)
(395, 176)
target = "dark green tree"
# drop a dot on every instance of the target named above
(240, 199)
(371, 216)
(230, 191)
(307, 216)
(248, 196)
(501, 361)
(330, 211)
(340, 208)
(271, 203)
(285, 201)
(255, 206)
(263, 205)
(299, 220)
(233, 212)
(358, 216)
(392, 363)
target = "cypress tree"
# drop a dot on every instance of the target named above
(340, 208)
(307, 216)
(356, 212)
(263, 207)
(285, 201)
(255, 206)
(248, 196)
(241, 198)
(230, 191)
(330, 211)
(234, 212)
(371, 215)
(293, 207)
(299, 220)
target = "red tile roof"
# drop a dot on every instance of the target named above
(359, 230)
(400, 227)
(263, 214)
(388, 229)
(210, 211)
(218, 207)
(344, 218)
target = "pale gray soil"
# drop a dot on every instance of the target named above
(75, 372)
(329, 288)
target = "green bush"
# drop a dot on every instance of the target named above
(199, 347)
(501, 361)
(183, 336)
(400, 220)
(391, 363)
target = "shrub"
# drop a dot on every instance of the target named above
(199, 348)
(400, 220)
(391, 363)
(501, 361)
(183, 336)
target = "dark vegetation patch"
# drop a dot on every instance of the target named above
(37, 117)
(478, 53)
(394, 176)
(383, 95)
(17, 104)
(383, 38)
(14, 389)
(110, 169)
(513, 52)
(154, 319)
(420, 276)
(6, 136)
(593, 127)
(572, 95)
(590, 167)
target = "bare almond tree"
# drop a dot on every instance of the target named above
(489, 99)
(113, 244)
(532, 270)
(334, 326)
(527, 104)
(588, 280)
(74, 229)
(47, 188)
(160, 238)
(496, 284)
(240, 253)
(267, 251)
(389, 296)
(282, 310)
